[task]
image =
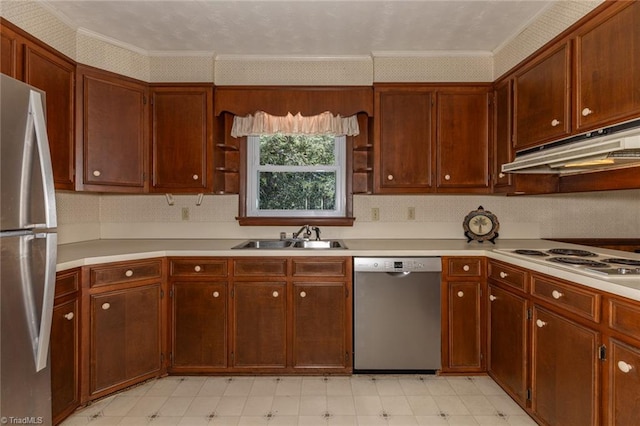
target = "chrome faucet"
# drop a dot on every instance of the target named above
(307, 232)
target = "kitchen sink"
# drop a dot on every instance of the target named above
(291, 244)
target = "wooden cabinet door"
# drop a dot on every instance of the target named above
(402, 140)
(462, 141)
(542, 99)
(564, 375)
(464, 346)
(624, 383)
(608, 68)
(9, 51)
(56, 76)
(321, 325)
(199, 318)
(64, 359)
(502, 135)
(259, 325)
(125, 337)
(112, 132)
(182, 138)
(507, 362)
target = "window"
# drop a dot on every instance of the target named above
(296, 175)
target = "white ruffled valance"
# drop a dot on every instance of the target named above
(322, 124)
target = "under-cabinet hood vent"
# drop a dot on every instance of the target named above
(613, 147)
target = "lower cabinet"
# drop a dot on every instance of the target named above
(125, 337)
(623, 399)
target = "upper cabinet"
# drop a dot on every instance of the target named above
(542, 107)
(502, 132)
(37, 64)
(182, 138)
(608, 68)
(111, 133)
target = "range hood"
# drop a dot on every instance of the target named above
(612, 147)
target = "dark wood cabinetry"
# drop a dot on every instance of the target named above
(542, 98)
(9, 51)
(607, 72)
(182, 138)
(112, 132)
(65, 346)
(463, 315)
(502, 135)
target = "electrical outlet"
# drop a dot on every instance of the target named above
(411, 213)
(185, 213)
(375, 214)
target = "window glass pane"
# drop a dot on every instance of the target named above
(297, 150)
(297, 190)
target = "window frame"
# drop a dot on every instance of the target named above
(252, 182)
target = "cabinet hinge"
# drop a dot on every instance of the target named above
(346, 357)
(480, 292)
(529, 314)
(346, 293)
(144, 100)
(528, 394)
(232, 356)
(171, 357)
(161, 358)
(232, 294)
(171, 294)
(602, 353)
(161, 294)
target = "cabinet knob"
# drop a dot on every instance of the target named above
(540, 323)
(303, 294)
(128, 273)
(96, 173)
(556, 294)
(69, 316)
(624, 367)
(460, 293)
(196, 177)
(503, 274)
(216, 294)
(586, 111)
(389, 177)
(197, 268)
(554, 122)
(466, 268)
(447, 177)
(106, 306)
(492, 297)
(275, 294)
(501, 175)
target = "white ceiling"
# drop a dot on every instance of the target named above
(303, 27)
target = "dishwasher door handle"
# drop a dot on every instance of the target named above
(399, 274)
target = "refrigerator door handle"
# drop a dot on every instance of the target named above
(36, 111)
(46, 318)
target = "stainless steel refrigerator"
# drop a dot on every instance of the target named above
(28, 255)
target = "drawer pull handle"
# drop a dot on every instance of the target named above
(197, 268)
(556, 294)
(216, 294)
(96, 173)
(501, 175)
(303, 294)
(555, 122)
(447, 177)
(503, 275)
(128, 273)
(69, 316)
(466, 268)
(389, 177)
(275, 294)
(492, 297)
(460, 293)
(624, 367)
(586, 111)
(106, 306)
(540, 323)
(195, 177)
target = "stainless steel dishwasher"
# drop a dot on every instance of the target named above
(397, 314)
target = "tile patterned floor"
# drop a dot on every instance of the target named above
(361, 400)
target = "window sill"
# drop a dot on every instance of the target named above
(286, 221)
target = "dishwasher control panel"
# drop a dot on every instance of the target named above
(397, 264)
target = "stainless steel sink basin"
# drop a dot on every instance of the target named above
(291, 244)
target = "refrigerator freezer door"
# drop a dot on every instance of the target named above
(26, 306)
(26, 181)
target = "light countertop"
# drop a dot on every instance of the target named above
(104, 251)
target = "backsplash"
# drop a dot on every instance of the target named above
(610, 214)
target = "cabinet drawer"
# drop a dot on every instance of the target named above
(464, 266)
(264, 267)
(316, 267)
(126, 272)
(67, 282)
(509, 275)
(572, 298)
(198, 268)
(624, 316)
